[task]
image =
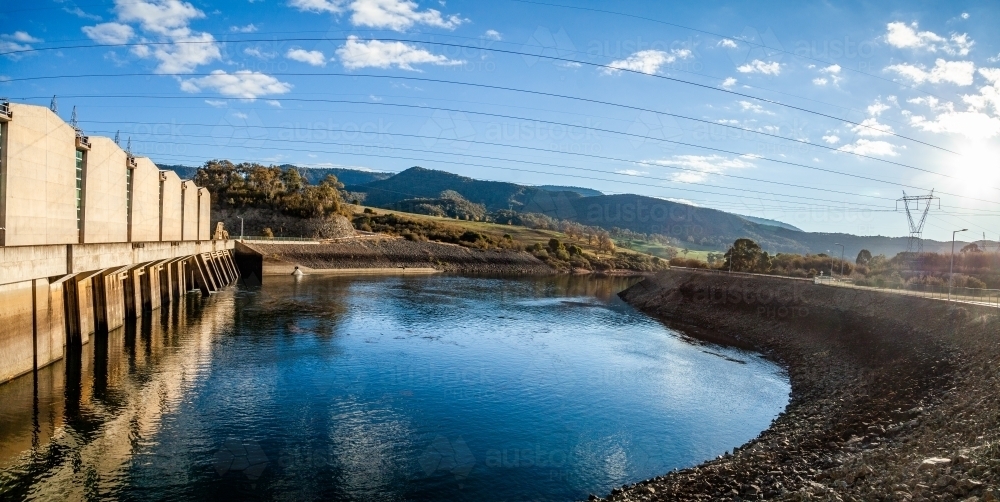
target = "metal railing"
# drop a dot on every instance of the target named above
(976, 296)
(263, 238)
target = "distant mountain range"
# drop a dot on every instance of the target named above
(689, 226)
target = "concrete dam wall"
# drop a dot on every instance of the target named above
(90, 235)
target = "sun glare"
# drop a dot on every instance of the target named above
(978, 168)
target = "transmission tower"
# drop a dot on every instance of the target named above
(912, 205)
(53, 105)
(72, 120)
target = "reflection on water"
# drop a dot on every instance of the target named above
(395, 388)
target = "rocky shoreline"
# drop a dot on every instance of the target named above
(893, 397)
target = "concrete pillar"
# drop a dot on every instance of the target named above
(213, 265)
(206, 273)
(50, 322)
(150, 285)
(79, 309)
(200, 276)
(109, 300)
(167, 280)
(133, 292)
(17, 342)
(180, 286)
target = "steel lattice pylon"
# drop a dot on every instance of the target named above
(912, 205)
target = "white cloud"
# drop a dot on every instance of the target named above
(21, 36)
(647, 61)
(971, 124)
(875, 109)
(257, 53)
(965, 15)
(314, 58)
(758, 66)
(631, 172)
(492, 35)
(908, 36)
(871, 147)
(727, 43)
(196, 50)
(753, 107)
(871, 128)
(179, 49)
(274, 102)
(956, 72)
(991, 74)
(832, 139)
(333, 6)
(728, 82)
(217, 103)
(158, 16)
(241, 84)
(832, 74)
(398, 15)
(109, 33)
(240, 115)
(17, 41)
(357, 54)
(250, 28)
(700, 167)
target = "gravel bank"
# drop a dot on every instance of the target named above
(397, 253)
(893, 397)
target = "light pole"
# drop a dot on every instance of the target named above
(841, 259)
(241, 228)
(951, 270)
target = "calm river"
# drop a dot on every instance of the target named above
(384, 388)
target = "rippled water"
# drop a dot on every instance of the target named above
(395, 388)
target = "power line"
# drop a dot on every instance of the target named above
(784, 162)
(525, 91)
(542, 56)
(526, 162)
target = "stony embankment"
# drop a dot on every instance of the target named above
(395, 253)
(893, 397)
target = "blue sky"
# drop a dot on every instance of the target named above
(817, 114)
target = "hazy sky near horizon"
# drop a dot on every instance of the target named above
(817, 114)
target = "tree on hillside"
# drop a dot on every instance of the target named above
(972, 247)
(864, 257)
(743, 256)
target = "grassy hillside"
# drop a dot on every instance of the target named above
(536, 241)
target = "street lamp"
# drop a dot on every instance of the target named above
(241, 228)
(951, 270)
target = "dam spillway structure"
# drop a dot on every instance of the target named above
(91, 236)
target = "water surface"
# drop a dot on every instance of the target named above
(394, 388)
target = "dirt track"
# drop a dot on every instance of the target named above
(893, 397)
